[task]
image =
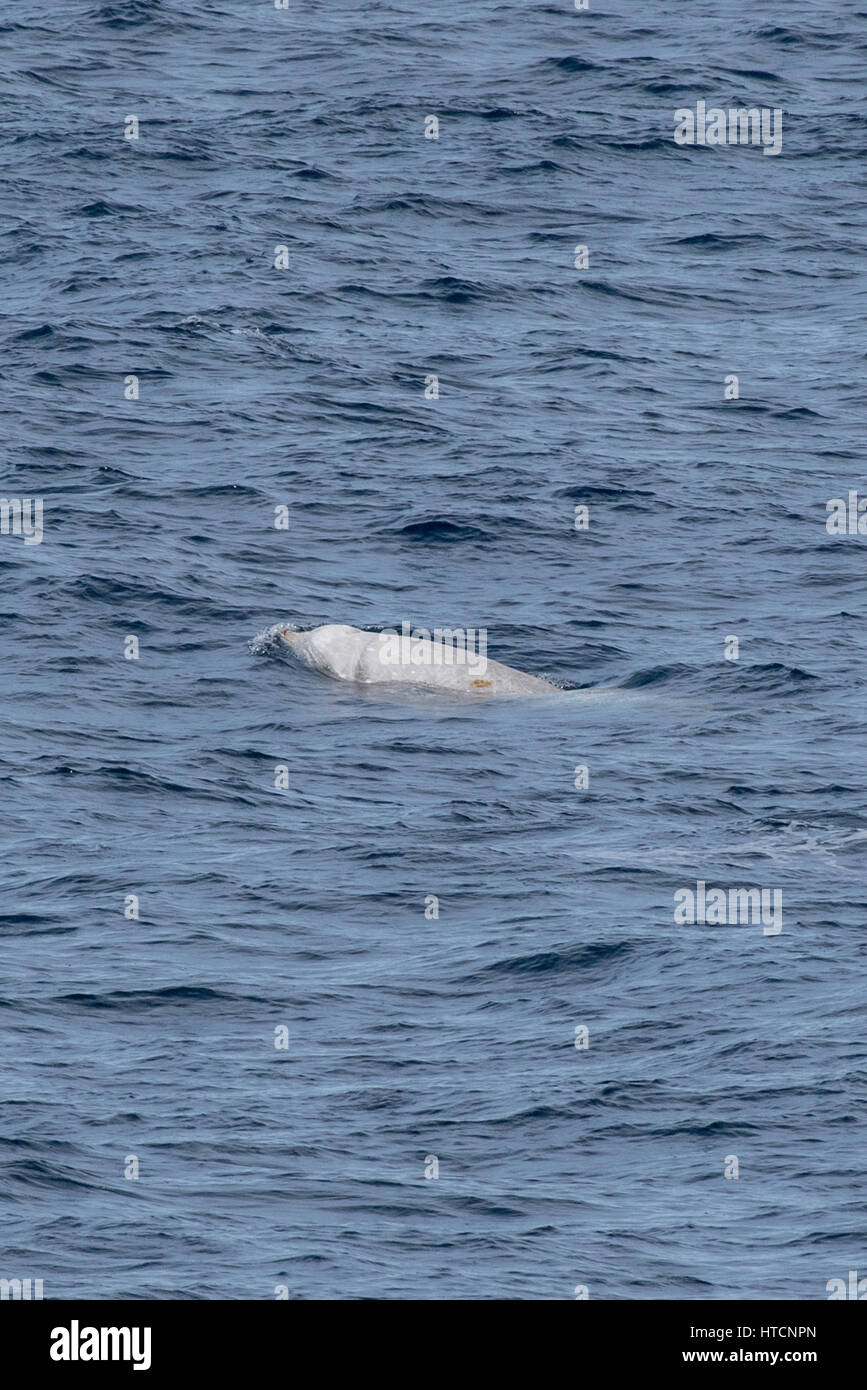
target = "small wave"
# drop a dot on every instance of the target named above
(571, 63)
(130, 13)
(439, 530)
(772, 677)
(656, 675)
(36, 1172)
(103, 209)
(129, 999)
(452, 290)
(579, 958)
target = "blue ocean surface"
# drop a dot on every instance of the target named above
(335, 1054)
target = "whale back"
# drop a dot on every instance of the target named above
(347, 653)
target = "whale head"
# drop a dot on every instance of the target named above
(334, 649)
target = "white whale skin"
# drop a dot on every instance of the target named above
(350, 654)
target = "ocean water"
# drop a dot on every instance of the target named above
(153, 1042)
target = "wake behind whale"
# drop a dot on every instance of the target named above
(350, 654)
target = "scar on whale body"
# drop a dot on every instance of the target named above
(350, 654)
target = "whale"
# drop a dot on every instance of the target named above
(381, 658)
